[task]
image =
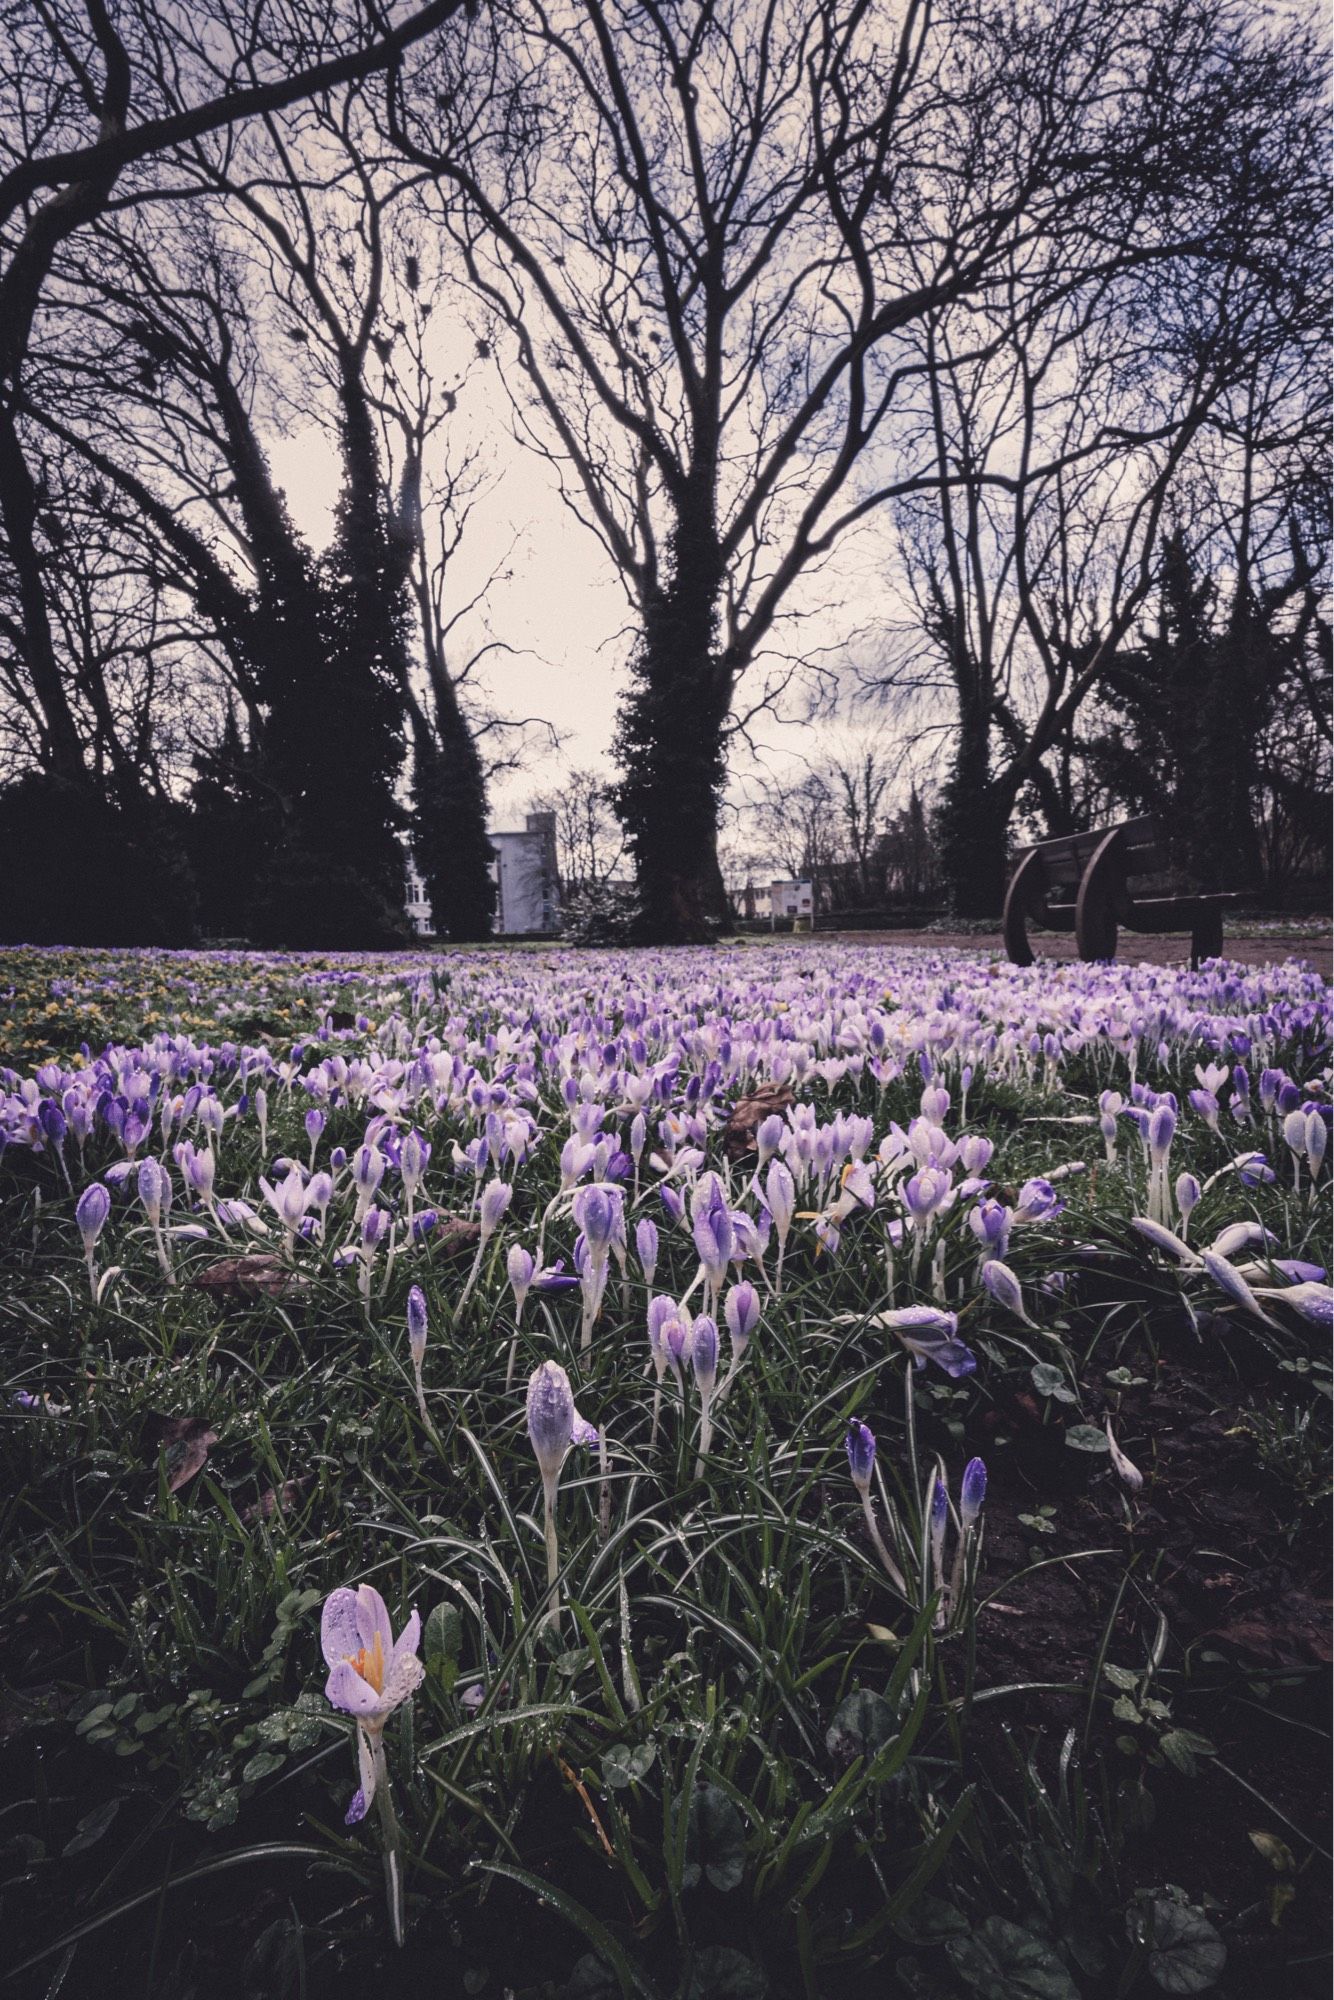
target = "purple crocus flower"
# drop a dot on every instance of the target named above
(861, 1456)
(370, 1675)
(91, 1212)
(711, 1222)
(999, 1280)
(646, 1247)
(1038, 1202)
(930, 1334)
(973, 1493)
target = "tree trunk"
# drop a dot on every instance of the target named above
(670, 746)
(61, 751)
(974, 815)
(449, 836)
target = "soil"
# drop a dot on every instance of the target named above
(1239, 1567)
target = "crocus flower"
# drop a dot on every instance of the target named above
(861, 1464)
(1187, 1193)
(91, 1212)
(711, 1223)
(704, 1365)
(1229, 1279)
(1126, 1471)
(1004, 1287)
(741, 1311)
(370, 1675)
(417, 1327)
(973, 1493)
(930, 1334)
(780, 1198)
(1038, 1202)
(646, 1247)
(990, 1224)
(938, 1515)
(554, 1425)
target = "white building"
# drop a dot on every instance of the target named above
(782, 899)
(526, 877)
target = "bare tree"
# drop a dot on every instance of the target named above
(88, 96)
(714, 240)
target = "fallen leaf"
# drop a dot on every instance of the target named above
(183, 1442)
(259, 1276)
(749, 1113)
(272, 1501)
(454, 1238)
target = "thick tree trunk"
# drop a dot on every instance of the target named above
(449, 835)
(974, 816)
(670, 746)
(61, 751)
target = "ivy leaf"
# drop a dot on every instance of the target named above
(1002, 1961)
(1086, 1437)
(715, 1841)
(1186, 1954)
(862, 1724)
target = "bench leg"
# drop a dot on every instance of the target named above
(1095, 905)
(1014, 927)
(1206, 938)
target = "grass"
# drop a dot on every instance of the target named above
(736, 1761)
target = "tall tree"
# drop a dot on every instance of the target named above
(713, 239)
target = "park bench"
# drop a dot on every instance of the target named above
(1081, 882)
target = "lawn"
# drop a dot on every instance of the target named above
(784, 1470)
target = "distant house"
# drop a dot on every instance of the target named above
(526, 877)
(781, 899)
(419, 903)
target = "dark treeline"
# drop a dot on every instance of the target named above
(1025, 298)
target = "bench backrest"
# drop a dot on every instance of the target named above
(1065, 857)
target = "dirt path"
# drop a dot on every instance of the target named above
(1167, 950)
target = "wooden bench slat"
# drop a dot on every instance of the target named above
(1099, 864)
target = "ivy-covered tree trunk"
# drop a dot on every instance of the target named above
(972, 821)
(449, 836)
(670, 745)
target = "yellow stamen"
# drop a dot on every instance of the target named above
(369, 1663)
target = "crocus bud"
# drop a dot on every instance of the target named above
(1187, 1195)
(741, 1310)
(314, 1126)
(704, 1353)
(374, 1226)
(712, 1225)
(975, 1152)
(768, 1138)
(1129, 1474)
(1004, 1287)
(553, 1422)
(861, 1456)
(94, 1206)
(367, 1171)
(550, 1417)
(154, 1190)
(660, 1310)
(496, 1198)
(594, 1214)
(990, 1224)
(780, 1197)
(1317, 1140)
(940, 1514)
(973, 1494)
(520, 1270)
(646, 1245)
(417, 1323)
(673, 1204)
(1162, 1129)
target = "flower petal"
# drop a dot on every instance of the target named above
(338, 1627)
(408, 1639)
(404, 1677)
(347, 1690)
(373, 1619)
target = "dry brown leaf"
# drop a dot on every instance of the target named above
(183, 1442)
(261, 1275)
(749, 1113)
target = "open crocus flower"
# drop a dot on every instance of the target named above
(370, 1675)
(930, 1334)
